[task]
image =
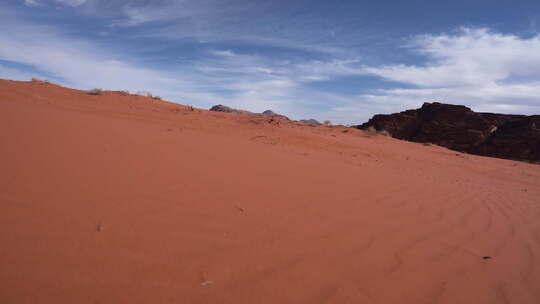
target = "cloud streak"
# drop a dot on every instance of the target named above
(31, 3)
(472, 57)
(267, 61)
(486, 70)
(71, 2)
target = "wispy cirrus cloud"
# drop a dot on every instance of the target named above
(34, 3)
(31, 3)
(14, 73)
(279, 55)
(72, 2)
(82, 64)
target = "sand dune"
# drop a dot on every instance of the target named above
(125, 199)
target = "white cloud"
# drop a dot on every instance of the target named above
(473, 57)
(72, 2)
(80, 64)
(135, 16)
(15, 74)
(194, 12)
(485, 70)
(31, 3)
(255, 85)
(225, 53)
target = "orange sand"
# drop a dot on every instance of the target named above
(122, 199)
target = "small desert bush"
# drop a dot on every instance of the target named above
(37, 80)
(124, 93)
(150, 95)
(147, 94)
(372, 130)
(327, 123)
(96, 92)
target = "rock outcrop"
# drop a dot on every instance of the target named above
(273, 114)
(459, 128)
(225, 109)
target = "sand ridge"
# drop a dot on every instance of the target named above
(126, 199)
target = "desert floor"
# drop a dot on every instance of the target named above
(124, 199)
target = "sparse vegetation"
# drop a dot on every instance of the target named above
(96, 92)
(37, 80)
(372, 130)
(148, 94)
(384, 132)
(143, 93)
(327, 123)
(124, 93)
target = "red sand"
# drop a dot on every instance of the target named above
(121, 199)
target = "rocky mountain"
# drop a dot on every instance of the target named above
(269, 113)
(459, 128)
(310, 121)
(273, 114)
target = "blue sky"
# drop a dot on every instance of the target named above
(337, 60)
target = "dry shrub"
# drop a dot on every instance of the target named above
(37, 80)
(145, 94)
(96, 91)
(149, 95)
(372, 130)
(384, 133)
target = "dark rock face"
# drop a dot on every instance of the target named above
(459, 128)
(517, 139)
